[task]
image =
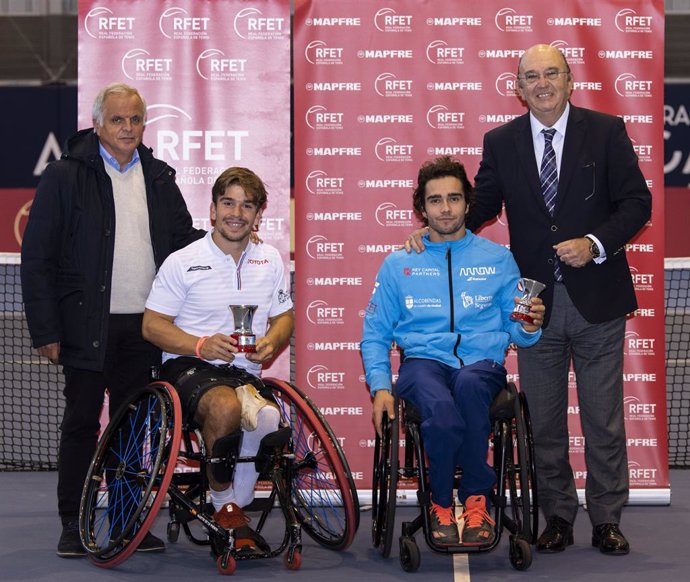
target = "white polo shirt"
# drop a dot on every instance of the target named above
(197, 284)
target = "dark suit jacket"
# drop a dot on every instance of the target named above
(601, 191)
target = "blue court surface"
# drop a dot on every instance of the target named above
(29, 530)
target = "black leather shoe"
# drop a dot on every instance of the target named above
(557, 535)
(610, 540)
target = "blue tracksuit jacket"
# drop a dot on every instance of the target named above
(451, 303)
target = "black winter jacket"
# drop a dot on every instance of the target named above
(68, 246)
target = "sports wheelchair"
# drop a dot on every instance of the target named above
(301, 466)
(513, 461)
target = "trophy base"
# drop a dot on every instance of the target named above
(522, 317)
(245, 343)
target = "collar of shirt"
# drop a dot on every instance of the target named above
(558, 138)
(110, 160)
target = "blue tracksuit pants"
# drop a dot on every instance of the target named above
(454, 405)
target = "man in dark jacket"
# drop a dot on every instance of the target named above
(104, 218)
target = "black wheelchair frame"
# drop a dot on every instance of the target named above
(515, 509)
(139, 451)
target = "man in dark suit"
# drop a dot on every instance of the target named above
(574, 196)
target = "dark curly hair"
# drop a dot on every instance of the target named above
(439, 168)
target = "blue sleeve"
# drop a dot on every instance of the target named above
(380, 318)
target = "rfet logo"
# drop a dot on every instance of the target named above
(318, 117)
(319, 312)
(636, 409)
(388, 214)
(251, 24)
(320, 183)
(139, 65)
(317, 52)
(387, 149)
(628, 85)
(319, 377)
(388, 85)
(439, 53)
(175, 23)
(440, 117)
(388, 20)
(635, 345)
(318, 247)
(102, 23)
(213, 65)
(508, 20)
(507, 85)
(575, 55)
(627, 20)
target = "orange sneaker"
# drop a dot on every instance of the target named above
(479, 527)
(230, 516)
(444, 527)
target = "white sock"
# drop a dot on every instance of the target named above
(221, 498)
(246, 475)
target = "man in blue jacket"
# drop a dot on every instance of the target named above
(104, 218)
(448, 310)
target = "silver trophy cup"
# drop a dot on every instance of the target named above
(243, 315)
(528, 288)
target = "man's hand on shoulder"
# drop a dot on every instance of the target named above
(414, 240)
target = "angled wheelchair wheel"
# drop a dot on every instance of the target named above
(322, 489)
(523, 491)
(129, 474)
(385, 484)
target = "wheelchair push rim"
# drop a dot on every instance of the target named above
(135, 458)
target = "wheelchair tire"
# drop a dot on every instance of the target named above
(410, 557)
(385, 484)
(523, 505)
(322, 489)
(135, 458)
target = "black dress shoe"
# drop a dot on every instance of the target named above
(610, 540)
(557, 535)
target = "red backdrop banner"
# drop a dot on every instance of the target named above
(380, 87)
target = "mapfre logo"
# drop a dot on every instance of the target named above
(318, 117)
(388, 20)
(319, 312)
(320, 183)
(212, 65)
(507, 85)
(318, 247)
(319, 377)
(101, 23)
(387, 149)
(175, 23)
(251, 24)
(628, 85)
(574, 54)
(508, 20)
(440, 117)
(388, 85)
(388, 214)
(140, 65)
(438, 52)
(317, 52)
(627, 20)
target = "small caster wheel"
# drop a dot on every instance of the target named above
(173, 531)
(226, 564)
(293, 560)
(409, 554)
(520, 553)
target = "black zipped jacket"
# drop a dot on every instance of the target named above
(68, 247)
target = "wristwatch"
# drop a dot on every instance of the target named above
(593, 248)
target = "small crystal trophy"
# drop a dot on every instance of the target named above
(243, 315)
(528, 288)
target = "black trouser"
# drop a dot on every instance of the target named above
(128, 364)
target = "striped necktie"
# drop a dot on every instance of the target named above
(548, 176)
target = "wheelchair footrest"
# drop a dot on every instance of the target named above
(269, 445)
